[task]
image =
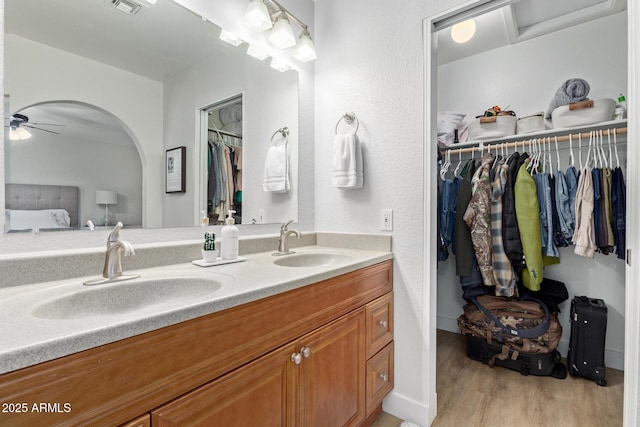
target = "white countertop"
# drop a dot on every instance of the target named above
(26, 339)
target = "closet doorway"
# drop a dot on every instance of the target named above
(222, 149)
(499, 78)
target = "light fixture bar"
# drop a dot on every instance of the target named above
(286, 12)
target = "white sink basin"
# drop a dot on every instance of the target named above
(312, 259)
(126, 297)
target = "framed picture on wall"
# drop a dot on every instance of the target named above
(175, 169)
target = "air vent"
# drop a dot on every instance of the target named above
(130, 7)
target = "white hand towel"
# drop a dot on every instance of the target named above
(347, 162)
(276, 170)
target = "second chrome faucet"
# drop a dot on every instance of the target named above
(283, 241)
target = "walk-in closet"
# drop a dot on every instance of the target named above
(520, 70)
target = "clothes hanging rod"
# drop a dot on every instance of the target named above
(523, 139)
(224, 132)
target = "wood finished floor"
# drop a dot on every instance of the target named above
(473, 394)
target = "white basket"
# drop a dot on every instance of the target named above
(492, 127)
(583, 113)
(530, 123)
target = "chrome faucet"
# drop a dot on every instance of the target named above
(112, 271)
(283, 242)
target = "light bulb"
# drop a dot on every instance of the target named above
(305, 50)
(257, 16)
(282, 34)
(464, 31)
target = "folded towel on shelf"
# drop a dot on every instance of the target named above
(348, 169)
(276, 170)
(572, 90)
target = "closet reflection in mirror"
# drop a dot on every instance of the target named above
(152, 72)
(224, 168)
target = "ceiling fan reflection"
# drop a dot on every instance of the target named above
(18, 123)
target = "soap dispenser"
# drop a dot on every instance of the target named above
(229, 241)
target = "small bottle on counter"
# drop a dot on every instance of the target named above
(204, 219)
(229, 238)
(621, 108)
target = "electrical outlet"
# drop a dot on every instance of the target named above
(386, 220)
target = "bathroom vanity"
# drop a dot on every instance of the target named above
(315, 350)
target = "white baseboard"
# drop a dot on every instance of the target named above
(406, 409)
(612, 358)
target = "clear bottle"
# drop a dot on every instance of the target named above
(622, 103)
(204, 219)
(229, 238)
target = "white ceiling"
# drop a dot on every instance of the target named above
(521, 20)
(159, 42)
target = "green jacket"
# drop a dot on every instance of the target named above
(528, 215)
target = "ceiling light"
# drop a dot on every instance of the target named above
(257, 52)
(257, 16)
(305, 50)
(278, 64)
(19, 133)
(282, 34)
(462, 32)
(230, 38)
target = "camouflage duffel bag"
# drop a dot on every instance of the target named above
(525, 326)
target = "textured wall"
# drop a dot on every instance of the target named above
(371, 62)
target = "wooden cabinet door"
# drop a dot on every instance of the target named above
(260, 394)
(332, 375)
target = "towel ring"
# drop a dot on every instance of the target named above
(283, 131)
(349, 118)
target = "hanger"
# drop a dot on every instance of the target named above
(615, 147)
(571, 158)
(609, 145)
(580, 149)
(455, 172)
(557, 154)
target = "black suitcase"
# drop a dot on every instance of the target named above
(540, 364)
(588, 333)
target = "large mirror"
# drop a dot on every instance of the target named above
(105, 94)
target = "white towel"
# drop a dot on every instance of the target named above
(347, 162)
(276, 170)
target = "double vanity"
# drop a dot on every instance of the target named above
(304, 339)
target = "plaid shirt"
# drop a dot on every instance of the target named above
(503, 273)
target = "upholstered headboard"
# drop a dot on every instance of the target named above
(36, 197)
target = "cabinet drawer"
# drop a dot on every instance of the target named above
(379, 323)
(143, 421)
(379, 377)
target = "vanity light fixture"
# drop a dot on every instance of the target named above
(259, 18)
(305, 50)
(257, 52)
(18, 134)
(230, 38)
(282, 33)
(463, 31)
(278, 64)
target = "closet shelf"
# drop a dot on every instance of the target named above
(563, 135)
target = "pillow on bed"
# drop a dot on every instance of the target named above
(29, 219)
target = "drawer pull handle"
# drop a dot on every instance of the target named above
(306, 352)
(384, 377)
(383, 323)
(296, 358)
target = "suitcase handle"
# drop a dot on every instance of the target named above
(531, 333)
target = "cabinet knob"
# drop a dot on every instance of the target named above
(296, 358)
(306, 352)
(384, 377)
(383, 323)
